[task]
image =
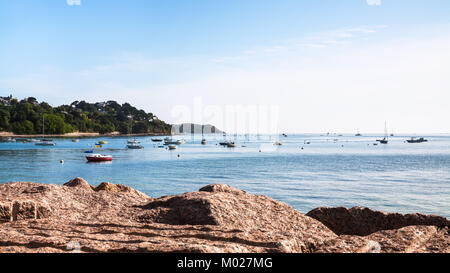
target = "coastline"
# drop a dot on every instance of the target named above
(78, 135)
(216, 219)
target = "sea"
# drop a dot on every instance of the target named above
(307, 171)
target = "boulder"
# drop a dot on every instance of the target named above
(118, 188)
(78, 183)
(364, 221)
(221, 188)
(5, 212)
(218, 218)
(24, 210)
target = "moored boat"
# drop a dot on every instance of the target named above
(203, 141)
(99, 158)
(135, 146)
(157, 140)
(231, 145)
(173, 147)
(417, 140)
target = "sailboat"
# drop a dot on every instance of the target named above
(385, 140)
(44, 142)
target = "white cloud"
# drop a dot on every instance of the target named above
(73, 2)
(373, 2)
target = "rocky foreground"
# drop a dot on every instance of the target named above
(115, 218)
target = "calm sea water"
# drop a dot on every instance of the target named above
(351, 171)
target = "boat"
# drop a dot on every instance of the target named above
(225, 143)
(417, 140)
(10, 139)
(231, 145)
(103, 142)
(99, 158)
(156, 140)
(44, 141)
(203, 141)
(45, 144)
(89, 152)
(75, 140)
(173, 142)
(135, 146)
(173, 147)
(385, 140)
(285, 135)
(278, 143)
(134, 141)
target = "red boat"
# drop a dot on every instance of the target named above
(99, 158)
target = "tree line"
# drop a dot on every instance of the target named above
(25, 117)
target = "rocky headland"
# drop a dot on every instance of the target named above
(218, 218)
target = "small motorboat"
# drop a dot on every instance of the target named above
(173, 142)
(225, 143)
(10, 139)
(278, 143)
(135, 146)
(75, 140)
(173, 147)
(231, 145)
(157, 140)
(417, 140)
(133, 141)
(383, 141)
(45, 143)
(203, 141)
(103, 142)
(89, 152)
(99, 158)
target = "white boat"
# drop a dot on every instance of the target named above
(43, 143)
(135, 146)
(133, 141)
(10, 139)
(174, 142)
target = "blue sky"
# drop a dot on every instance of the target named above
(160, 54)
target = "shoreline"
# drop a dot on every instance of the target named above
(78, 135)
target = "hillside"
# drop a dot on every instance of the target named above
(25, 118)
(189, 128)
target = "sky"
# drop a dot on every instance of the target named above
(306, 66)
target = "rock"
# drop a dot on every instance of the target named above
(221, 188)
(218, 218)
(109, 187)
(5, 212)
(413, 239)
(363, 221)
(23, 210)
(78, 183)
(43, 211)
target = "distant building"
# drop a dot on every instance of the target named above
(6, 100)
